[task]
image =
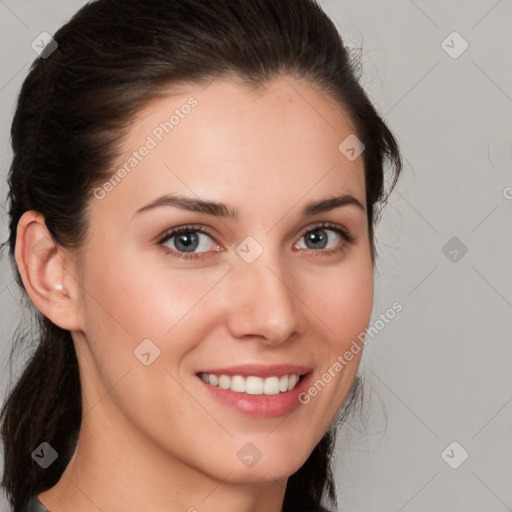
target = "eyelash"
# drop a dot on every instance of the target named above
(345, 235)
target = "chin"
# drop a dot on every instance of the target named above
(274, 467)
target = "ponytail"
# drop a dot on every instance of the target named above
(44, 406)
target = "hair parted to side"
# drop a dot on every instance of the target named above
(75, 106)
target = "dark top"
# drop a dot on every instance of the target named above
(34, 505)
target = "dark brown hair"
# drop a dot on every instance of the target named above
(75, 106)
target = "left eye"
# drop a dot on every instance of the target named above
(319, 238)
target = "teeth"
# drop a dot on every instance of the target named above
(271, 386)
(238, 384)
(292, 381)
(224, 382)
(253, 385)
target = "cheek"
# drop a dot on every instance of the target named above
(344, 305)
(342, 300)
(355, 302)
(139, 297)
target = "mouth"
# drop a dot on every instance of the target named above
(256, 390)
(253, 384)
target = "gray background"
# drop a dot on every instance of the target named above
(440, 371)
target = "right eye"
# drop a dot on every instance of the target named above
(188, 241)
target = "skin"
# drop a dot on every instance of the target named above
(151, 437)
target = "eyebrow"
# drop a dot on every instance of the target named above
(225, 211)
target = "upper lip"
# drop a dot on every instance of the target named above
(260, 370)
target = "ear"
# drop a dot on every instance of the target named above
(47, 272)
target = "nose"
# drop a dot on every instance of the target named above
(264, 305)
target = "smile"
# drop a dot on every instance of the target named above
(253, 385)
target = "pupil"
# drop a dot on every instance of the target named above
(187, 241)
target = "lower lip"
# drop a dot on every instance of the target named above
(260, 406)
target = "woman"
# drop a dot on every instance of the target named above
(192, 205)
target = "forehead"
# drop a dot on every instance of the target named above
(240, 145)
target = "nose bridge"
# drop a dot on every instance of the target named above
(264, 304)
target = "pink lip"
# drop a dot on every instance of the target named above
(259, 370)
(260, 406)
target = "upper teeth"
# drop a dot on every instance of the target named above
(253, 385)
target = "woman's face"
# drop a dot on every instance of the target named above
(262, 287)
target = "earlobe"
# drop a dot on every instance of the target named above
(42, 264)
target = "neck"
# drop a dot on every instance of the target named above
(124, 471)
